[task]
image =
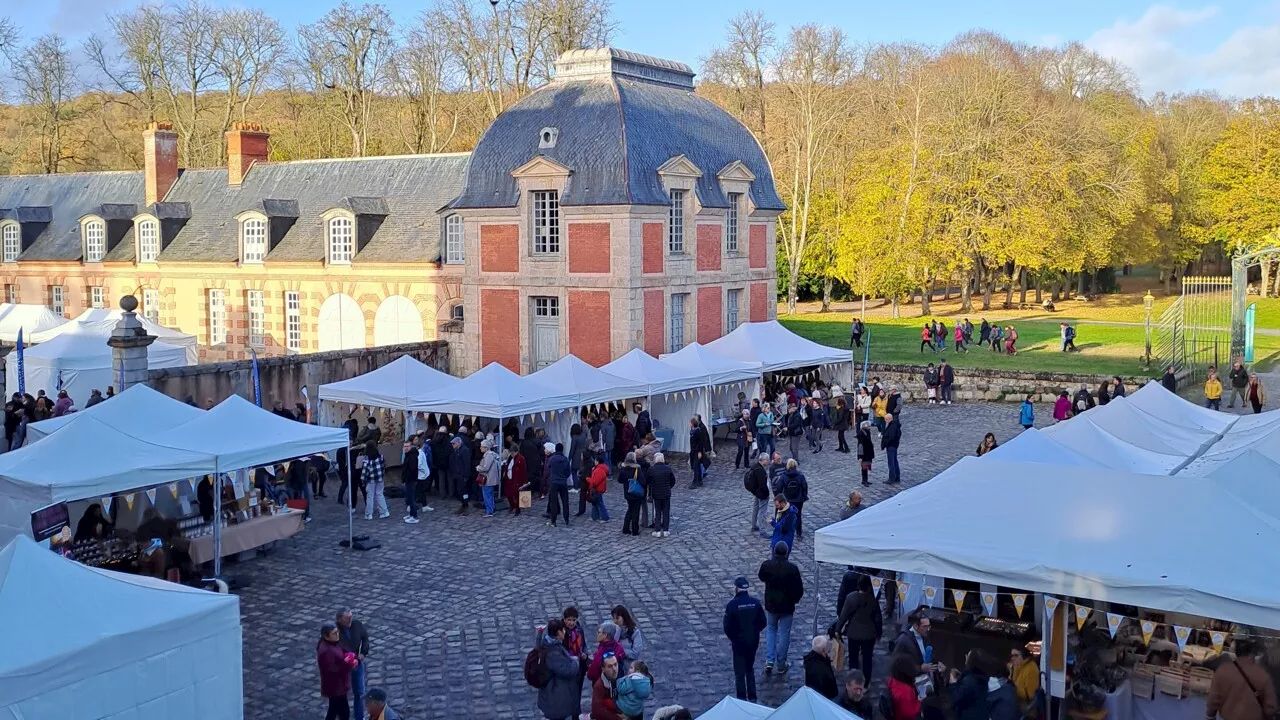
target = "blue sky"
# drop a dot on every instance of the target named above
(1232, 46)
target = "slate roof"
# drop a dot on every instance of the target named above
(616, 129)
(409, 189)
(69, 197)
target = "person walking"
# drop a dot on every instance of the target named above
(1117, 388)
(1010, 340)
(856, 330)
(764, 430)
(946, 378)
(1169, 381)
(1027, 414)
(409, 476)
(597, 483)
(1083, 400)
(373, 476)
(1062, 407)
(744, 620)
(783, 590)
(335, 673)
(795, 425)
(1067, 334)
(926, 338)
(490, 471)
(1239, 377)
(861, 623)
(757, 483)
(817, 421)
(794, 486)
(890, 437)
(960, 338)
(558, 472)
(699, 450)
(460, 466)
(866, 451)
(783, 523)
(632, 478)
(1243, 689)
(984, 333)
(560, 698)
(355, 641)
(1257, 394)
(534, 459)
(841, 425)
(818, 673)
(661, 481)
(745, 431)
(515, 475)
(940, 336)
(997, 338)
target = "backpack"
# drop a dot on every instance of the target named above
(536, 672)
(1071, 333)
(746, 482)
(792, 490)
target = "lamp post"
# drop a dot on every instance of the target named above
(1148, 301)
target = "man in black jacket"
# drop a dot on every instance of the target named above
(460, 467)
(818, 673)
(783, 589)
(946, 378)
(1169, 380)
(661, 480)
(743, 620)
(440, 451)
(643, 424)
(757, 483)
(353, 639)
(1239, 377)
(889, 440)
(409, 477)
(699, 450)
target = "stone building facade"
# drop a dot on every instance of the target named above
(613, 208)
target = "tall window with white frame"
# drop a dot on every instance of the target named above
(675, 223)
(57, 302)
(97, 297)
(545, 205)
(95, 241)
(733, 297)
(731, 226)
(217, 316)
(151, 304)
(292, 322)
(453, 240)
(253, 238)
(257, 317)
(341, 239)
(677, 321)
(148, 241)
(12, 235)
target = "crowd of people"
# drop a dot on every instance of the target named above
(559, 665)
(934, 336)
(24, 409)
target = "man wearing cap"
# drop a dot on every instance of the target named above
(743, 620)
(558, 471)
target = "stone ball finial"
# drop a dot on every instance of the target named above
(128, 303)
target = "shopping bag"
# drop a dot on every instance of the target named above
(837, 652)
(526, 498)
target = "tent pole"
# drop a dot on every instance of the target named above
(217, 523)
(351, 500)
(817, 595)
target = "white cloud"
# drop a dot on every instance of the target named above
(1157, 47)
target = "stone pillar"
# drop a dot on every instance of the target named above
(129, 342)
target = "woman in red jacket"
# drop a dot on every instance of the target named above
(335, 673)
(902, 689)
(513, 478)
(598, 481)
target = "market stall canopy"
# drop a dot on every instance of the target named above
(99, 644)
(30, 319)
(1147, 431)
(1249, 474)
(138, 411)
(716, 368)
(88, 459)
(398, 385)
(100, 322)
(731, 708)
(242, 435)
(808, 704)
(1101, 446)
(660, 378)
(1153, 398)
(1104, 535)
(495, 392)
(79, 363)
(591, 385)
(776, 348)
(1034, 446)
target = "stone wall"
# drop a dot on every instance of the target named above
(983, 385)
(281, 378)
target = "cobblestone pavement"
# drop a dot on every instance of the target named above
(450, 604)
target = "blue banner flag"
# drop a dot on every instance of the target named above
(257, 384)
(22, 365)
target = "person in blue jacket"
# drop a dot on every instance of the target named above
(744, 620)
(1027, 416)
(784, 522)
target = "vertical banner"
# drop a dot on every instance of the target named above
(1019, 602)
(257, 384)
(1113, 623)
(1082, 614)
(22, 365)
(1250, 319)
(1148, 628)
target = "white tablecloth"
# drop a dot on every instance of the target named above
(1166, 707)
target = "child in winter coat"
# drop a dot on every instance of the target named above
(1027, 416)
(633, 690)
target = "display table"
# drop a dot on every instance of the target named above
(1122, 705)
(248, 535)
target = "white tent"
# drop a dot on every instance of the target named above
(717, 369)
(98, 644)
(808, 704)
(659, 377)
(496, 392)
(591, 385)
(101, 322)
(138, 411)
(776, 348)
(1147, 431)
(78, 363)
(31, 319)
(1154, 399)
(1104, 535)
(87, 459)
(1097, 444)
(731, 708)
(1034, 446)
(398, 385)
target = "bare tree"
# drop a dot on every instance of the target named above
(348, 54)
(46, 76)
(570, 25)
(8, 37)
(740, 65)
(251, 47)
(422, 70)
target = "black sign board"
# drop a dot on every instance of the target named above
(49, 521)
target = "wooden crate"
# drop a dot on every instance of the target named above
(1172, 682)
(1142, 682)
(1199, 680)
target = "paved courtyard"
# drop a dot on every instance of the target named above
(451, 603)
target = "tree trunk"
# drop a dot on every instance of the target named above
(966, 294)
(1264, 288)
(826, 294)
(1080, 283)
(987, 291)
(926, 295)
(1276, 289)
(1056, 288)
(1168, 283)
(793, 278)
(1022, 288)
(1008, 290)
(946, 288)
(896, 313)
(1039, 290)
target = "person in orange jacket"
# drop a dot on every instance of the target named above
(598, 482)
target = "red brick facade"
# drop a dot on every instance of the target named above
(589, 250)
(757, 251)
(499, 341)
(499, 248)
(652, 248)
(590, 326)
(710, 312)
(655, 321)
(708, 247)
(759, 302)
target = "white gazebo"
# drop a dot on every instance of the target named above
(30, 319)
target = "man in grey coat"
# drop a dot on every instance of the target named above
(561, 697)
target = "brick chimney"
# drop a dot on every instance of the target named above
(160, 160)
(247, 143)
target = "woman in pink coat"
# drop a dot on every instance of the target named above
(1062, 407)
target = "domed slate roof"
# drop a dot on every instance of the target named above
(619, 116)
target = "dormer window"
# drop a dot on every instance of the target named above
(148, 241)
(12, 236)
(95, 240)
(253, 239)
(342, 239)
(453, 240)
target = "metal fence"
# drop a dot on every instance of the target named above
(1195, 331)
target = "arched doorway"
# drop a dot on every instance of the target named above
(341, 324)
(397, 321)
